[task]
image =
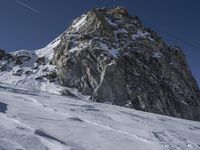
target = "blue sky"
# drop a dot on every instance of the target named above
(31, 24)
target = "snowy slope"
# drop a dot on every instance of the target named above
(29, 74)
(42, 121)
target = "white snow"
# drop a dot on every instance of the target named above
(17, 76)
(140, 34)
(37, 121)
(80, 47)
(48, 50)
(157, 54)
(79, 22)
(103, 45)
(113, 51)
(21, 52)
(121, 31)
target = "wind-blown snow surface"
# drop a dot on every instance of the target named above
(42, 121)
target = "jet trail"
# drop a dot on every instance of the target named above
(27, 6)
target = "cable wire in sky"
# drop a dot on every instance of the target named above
(27, 6)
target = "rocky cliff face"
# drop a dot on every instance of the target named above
(110, 55)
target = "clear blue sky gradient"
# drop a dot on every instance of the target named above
(177, 21)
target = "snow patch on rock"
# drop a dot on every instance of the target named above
(79, 22)
(140, 34)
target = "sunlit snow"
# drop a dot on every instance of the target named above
(41, 121)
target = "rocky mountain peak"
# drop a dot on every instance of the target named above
(103, 22)
(115, 10)
(113, 58)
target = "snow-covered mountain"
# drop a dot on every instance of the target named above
(47, 95)
(109, 56)
(44, 121)
(26, 68)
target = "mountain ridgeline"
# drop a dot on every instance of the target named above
(112, 57)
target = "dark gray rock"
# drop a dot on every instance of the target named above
(18, 72)
(18, 61)
(28, 72)
(66, 92)
(2, 53)
(3, 67)
(51, 76)
(5, 56)
(40, 60)
(8, 57)
(21, 56)
(115, 59)
(3, 107)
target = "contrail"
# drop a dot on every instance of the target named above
(27, 6)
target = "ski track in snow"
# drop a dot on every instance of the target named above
(47, 121)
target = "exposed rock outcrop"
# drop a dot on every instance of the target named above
(110, 55)
(2, 53)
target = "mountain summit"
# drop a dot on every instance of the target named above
(113, 58)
